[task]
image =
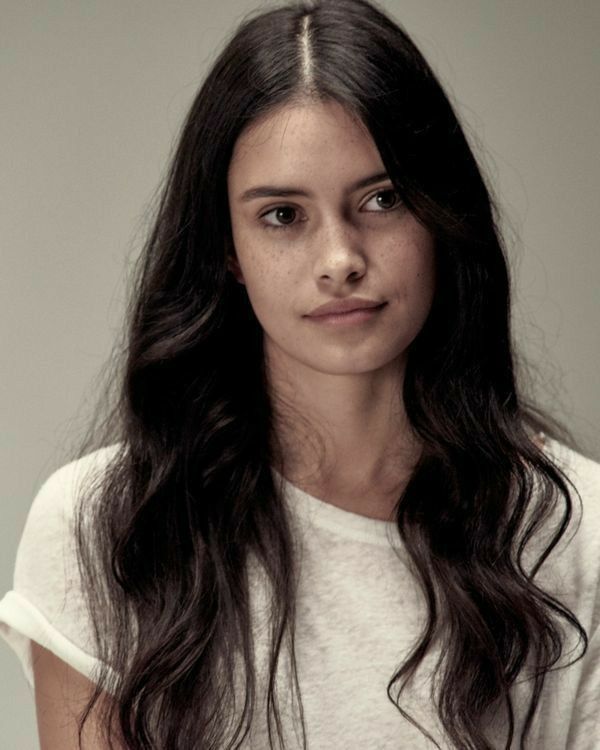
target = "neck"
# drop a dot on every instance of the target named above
(343, 434)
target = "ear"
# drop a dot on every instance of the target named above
(234, 266)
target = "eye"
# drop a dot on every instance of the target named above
(391, 200)
(283, 214)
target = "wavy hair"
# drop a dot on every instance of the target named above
(188, 498)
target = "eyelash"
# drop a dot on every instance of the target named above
(291, 226)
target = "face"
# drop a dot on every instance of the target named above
(340, 230)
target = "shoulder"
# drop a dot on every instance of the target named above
(70, 476)
(46, 604)
(583, 471)
(583, 475)
(46, 545)
(56, 498)
(577, 555)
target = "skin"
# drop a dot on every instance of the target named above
(335, 243)
(61, 694)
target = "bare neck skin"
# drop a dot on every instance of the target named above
(353, 446)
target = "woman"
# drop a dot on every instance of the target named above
(322, 513)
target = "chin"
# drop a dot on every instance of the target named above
(351, 365)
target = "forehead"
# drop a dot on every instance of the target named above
(314, 137)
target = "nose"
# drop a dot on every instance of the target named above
(341, 256)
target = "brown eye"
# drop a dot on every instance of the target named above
(386, 200)
(284, 216)
(389, 198)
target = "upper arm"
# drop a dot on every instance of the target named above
(61, 694)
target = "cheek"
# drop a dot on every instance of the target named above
(267, 282)
(250, 259)
(415, 268)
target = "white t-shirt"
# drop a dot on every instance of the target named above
(359, 613)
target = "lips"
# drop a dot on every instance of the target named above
(344, 306)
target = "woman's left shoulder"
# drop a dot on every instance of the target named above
(574, 565)
(581, 470)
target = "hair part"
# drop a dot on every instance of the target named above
(307, 79)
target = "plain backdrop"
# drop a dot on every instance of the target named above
(93, 94)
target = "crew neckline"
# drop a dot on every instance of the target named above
(314, 511)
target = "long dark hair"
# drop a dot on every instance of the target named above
(188, 499)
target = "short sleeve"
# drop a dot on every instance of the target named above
(46, 604)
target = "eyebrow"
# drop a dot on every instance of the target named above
(266, 191)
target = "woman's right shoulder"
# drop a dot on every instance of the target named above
(46, 603)
(46, 548)
(59, 492)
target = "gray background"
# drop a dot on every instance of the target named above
(92, 96)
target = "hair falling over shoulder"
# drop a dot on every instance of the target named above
(188, 497)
